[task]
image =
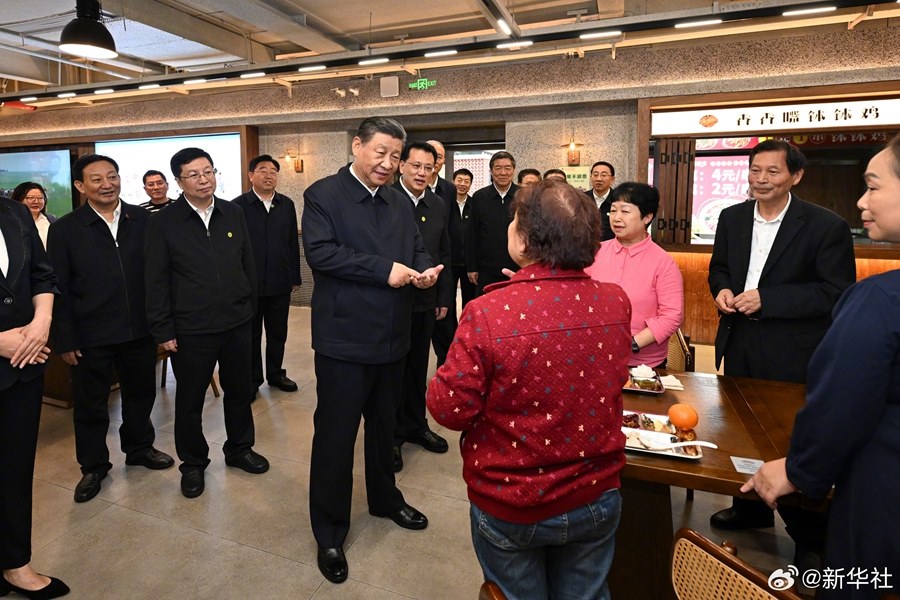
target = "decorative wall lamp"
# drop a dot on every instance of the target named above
(86, 35)
(573, 154)
(294, 161)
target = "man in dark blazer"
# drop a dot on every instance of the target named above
(778, 267)
(458, 213)
(603, 177)
(272, 223)
(440, 186)
(430, 305)
(201, 297)
(364, 250)
(486, 253)
(100, 324)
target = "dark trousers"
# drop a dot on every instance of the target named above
(345, 392)
(486, 279)
(411, 417)
(445, 329)
(273, 312)
(135, 364)
(20, 415)
(193, 365)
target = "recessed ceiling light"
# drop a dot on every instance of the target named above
(519, 44)
(253, 75)
(697, 23)
(373, 61)
(148, 86)
(194, 81)
(104, 91)
(312, 68)
(600, 34)
(437, 53)
(28, 99)
(504, 26)
(808, 11)
(66, 95)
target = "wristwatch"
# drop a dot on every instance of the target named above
(634, 346)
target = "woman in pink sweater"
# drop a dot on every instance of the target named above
(645, 271)
(534, 380)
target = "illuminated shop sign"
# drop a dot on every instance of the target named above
(714, 122)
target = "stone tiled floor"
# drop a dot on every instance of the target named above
(248, 536)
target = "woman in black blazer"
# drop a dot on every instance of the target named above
(27, 285)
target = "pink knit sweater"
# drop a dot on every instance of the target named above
(534, 380)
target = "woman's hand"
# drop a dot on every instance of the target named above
(10, 340)
(35, 336)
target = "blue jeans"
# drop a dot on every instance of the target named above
(564, 557)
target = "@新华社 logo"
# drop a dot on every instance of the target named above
(782, 579)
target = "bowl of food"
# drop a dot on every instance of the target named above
(644, 379)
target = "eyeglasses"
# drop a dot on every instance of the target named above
(33, 198)
(156, 184)
(194, 176)
(420, 167)
(266, 171)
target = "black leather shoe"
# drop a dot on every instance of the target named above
(407, 518)
(430, 441)
(284, 383)
(333, 564)
(192, 483)
(733, 520)
(151, 458)
(398, 460)
(54, 589)
(249, 461)
(88, 487)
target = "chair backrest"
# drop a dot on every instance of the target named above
(490, 591)
(702, 570)
(680, 357)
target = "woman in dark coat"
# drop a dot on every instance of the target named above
(848, 434)
(27, 285)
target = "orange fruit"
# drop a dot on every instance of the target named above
(683, 416)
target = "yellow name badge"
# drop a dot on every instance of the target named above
(423, 219)
(230, 234)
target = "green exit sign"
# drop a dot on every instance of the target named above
(423, 84)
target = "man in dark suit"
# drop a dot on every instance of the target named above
(201, 297)
(440, 186)
(778, 267)
(272, 223)
(99, 322)
(364, 249)
(458, 213)
(486, 253)
(603, 177)
(429, 305)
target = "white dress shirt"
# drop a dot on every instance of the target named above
(114, 224)
(4, 255)
(764, 233)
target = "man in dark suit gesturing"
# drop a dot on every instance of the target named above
(778, 266)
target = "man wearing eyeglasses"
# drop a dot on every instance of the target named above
(417, 163)
(272, 222)
(157, 188)
(99, 322)
(603, 177)
(486, 250)
(201, 298)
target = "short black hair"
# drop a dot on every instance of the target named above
(22, 190)
(603, 163)
(794, 158)
(369, 127)
(186, 155)
(87, 159)
(525, 172)
(560, 224)
(254, 162)
(549, 172)
(645, 197)
(501, 155)
(151, 173)
(465, 172)
(423, 146)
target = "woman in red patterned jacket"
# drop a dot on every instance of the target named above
(534, 380)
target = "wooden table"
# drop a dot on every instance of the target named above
(747, 418)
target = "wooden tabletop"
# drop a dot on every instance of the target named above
(746, 418)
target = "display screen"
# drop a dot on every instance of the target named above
(136, 157)
(50, 168)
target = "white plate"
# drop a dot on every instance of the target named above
(662, 435)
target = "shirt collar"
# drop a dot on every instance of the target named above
(356, 177)
(409, 193)
(272, 199)
(116, 212)
(502, 194)
(603, 197)
(758, 218)
(631, 250)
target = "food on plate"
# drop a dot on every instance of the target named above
(647, 422)
(643, 371)
(685, 418)
(737, 142)
(706, 143)
(631, 420)
(708, 120)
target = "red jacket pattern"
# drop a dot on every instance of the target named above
(534, 380)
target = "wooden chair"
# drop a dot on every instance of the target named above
(163, 355)
(680, 358)
(490, 591)
(702, 570)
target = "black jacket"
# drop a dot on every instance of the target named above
(29, 274)
(431, 220)
(490, 217)
(458, 228)
(198, 281)
(101, 279)
(445, 189)
(276, 247)
(351, 241)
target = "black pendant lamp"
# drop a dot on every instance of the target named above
(86, 35)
